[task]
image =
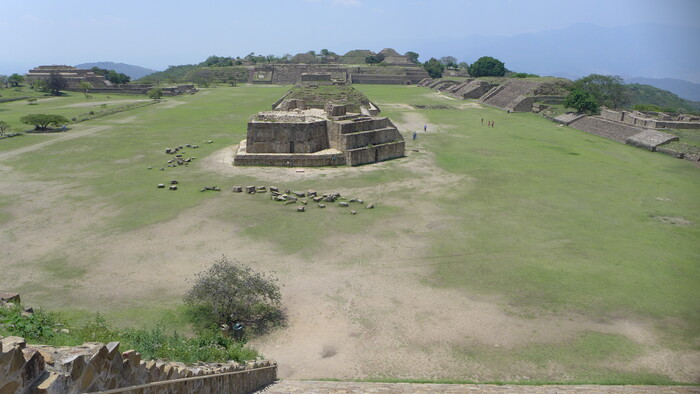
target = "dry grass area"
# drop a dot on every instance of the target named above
(360, 295)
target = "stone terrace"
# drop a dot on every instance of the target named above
(606, 128)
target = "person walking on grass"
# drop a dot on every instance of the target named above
(415, 134)
(482, 121)
(425, 127)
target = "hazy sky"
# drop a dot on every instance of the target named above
(158, 33)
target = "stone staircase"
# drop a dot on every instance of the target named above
(473, 90)
(508, 94)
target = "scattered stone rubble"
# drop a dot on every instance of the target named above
(289, 197)
(179, 159)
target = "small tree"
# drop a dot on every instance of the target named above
(581, 101)
(155, 93)
(40, 85)
(4, 81)
(608, 90)
(85, 87)
(42, 121)
(449, 61)
(487, 66)
(230, 292)
(55, 83)
(15, 79)
(434, 68)
(412, 56)
(4, 126)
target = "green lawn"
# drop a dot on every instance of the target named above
(560, 220)
(549, 220)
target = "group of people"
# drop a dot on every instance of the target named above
(491, 123)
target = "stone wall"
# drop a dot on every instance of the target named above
(97, 367)
(640, 119)
(329, 157)
(380, 79)
(287, 137)
(376, 153)
(525, 103)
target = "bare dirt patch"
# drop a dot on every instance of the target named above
(78, 131)
(95, 103)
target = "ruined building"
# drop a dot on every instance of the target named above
(294, 135)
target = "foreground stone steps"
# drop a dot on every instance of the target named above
(320, 387)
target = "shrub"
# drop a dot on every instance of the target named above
(230, 292)
(155, 93)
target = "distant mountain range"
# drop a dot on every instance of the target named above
(135, 72)
(685, 89)
(650, 50)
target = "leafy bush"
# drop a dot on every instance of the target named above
(434, 68)
(230, 292)
(33, 326)
(155, 93)
(581, 101)
(156, 343)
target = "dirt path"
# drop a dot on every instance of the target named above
(64, 137)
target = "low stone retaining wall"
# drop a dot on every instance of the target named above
(95, 367)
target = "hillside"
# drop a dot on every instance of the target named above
(172, 74)
(647, 94)
(684, 89)
(135, 72)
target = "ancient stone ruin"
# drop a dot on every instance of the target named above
(74, 76)
(295, 135)
(510, 94)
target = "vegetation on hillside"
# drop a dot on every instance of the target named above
(112, 75)
(663, 100)
(173, 74)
